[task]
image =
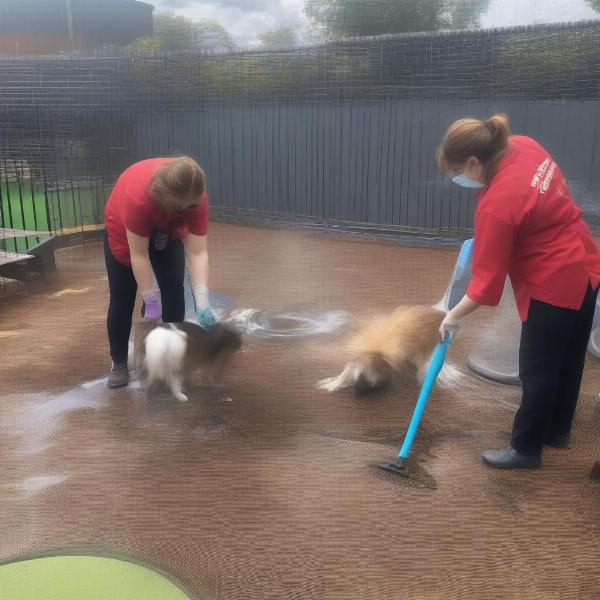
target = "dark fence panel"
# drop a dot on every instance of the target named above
(344, 133)
(371, 163)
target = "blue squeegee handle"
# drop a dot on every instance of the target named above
(437, 361)
(435, 366)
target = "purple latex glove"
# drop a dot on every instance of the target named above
(151, 306)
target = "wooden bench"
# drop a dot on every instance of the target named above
(22, 266)
(11, 257)
(7, 233)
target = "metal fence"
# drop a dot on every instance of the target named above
(344, 133)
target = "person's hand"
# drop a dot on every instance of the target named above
(206, 317)
(204, 312)
(151, 306)
(449, 325)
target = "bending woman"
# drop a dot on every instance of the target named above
(156, 216)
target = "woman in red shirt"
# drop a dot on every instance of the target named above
(527, 227)
(156, 216)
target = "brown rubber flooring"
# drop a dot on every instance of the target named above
(266, 488)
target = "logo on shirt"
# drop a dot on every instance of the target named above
(543, 175)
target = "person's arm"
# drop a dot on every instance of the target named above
(196, 250)
(140, 261)
(142, 271)
(464, 308)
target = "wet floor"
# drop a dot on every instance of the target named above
(266, 487)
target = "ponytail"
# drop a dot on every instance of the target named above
(499, 130)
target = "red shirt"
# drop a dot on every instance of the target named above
(528, 227)
(131, 207)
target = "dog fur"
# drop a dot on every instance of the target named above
(389, 349)
(168, 353)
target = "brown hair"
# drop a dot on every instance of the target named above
(178, 182)
(485, 140)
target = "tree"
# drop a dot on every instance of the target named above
(211, 36)
(595, 4)
(347, 18)
(464, 14)
(286, 37)
(144, 45)
(175, 33)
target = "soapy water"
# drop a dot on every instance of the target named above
(452, 378)
(268, 323)
(285, 324)
(458, 381)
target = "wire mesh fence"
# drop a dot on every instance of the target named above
(343, 133)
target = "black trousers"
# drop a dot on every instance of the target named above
(551, 360)
(169, 268)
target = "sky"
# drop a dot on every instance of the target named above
(246, 20)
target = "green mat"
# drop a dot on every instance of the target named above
(83, 578)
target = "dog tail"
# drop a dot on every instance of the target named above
(165, 351)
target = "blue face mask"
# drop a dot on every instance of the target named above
(465, 182)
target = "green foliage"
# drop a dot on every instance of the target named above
(145, 45)
(211, 36)
(558, 61)
(286, 37)
(464, 14)
(595, 4)
(348, 18)
(174, 32)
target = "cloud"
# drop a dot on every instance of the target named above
(246, 5)
(505, 13)
(172, 4)
(245, 20)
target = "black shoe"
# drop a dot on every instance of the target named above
(509, 458)
(119, 376)
(558, 440)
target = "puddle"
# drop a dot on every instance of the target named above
(286, 324)
(34, 485)
(76, 399)
(134, 384)
(94, 383)
(41, 416)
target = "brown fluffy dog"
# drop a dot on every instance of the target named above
(389, 349)
(169, 352)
